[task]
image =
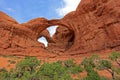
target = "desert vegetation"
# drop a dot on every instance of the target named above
(31, 68)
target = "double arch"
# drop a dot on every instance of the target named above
(59, 22)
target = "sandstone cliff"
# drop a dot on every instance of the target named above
(94, 26)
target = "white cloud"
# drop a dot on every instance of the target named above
(69, 5)
(10, 9)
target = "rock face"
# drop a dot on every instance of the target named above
(63, 39)
(94, 26)
(21, 39)
(6, 18)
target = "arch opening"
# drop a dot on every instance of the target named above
(45, 36)
(43, 40)
(52, 30)
(59, 36)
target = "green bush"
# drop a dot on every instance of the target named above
(76, 69)
(25, 69)
(72, 67)
(106, 64)
(69, 63)
(93, 75)
(90, 61)
(88, 64)
(114, 55)
(31, 69)
(54, 71)
(3, 74)
(118, 71)
(28, 64)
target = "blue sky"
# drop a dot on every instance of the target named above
(25, 10)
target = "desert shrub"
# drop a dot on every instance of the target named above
(28, 64)
(88, 64)
(118, 71)
(93, 75)
(31, 69)
(94, 56)
(54, 71)
(72, 67)
(25, 69)
(3, 70)
(91, 61)
(69, 63)
(105, 64)
(76, 69)
(3, 74)
(114, 55)
(104, 78)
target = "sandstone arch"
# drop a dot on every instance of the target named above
(95, 25)
(66, 33)
(25, 35)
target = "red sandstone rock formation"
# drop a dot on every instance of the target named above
(94, 26)
(6, 18)
(21, 39)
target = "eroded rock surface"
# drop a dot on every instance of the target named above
(21, 39)
(63, 40)
(94, 26)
